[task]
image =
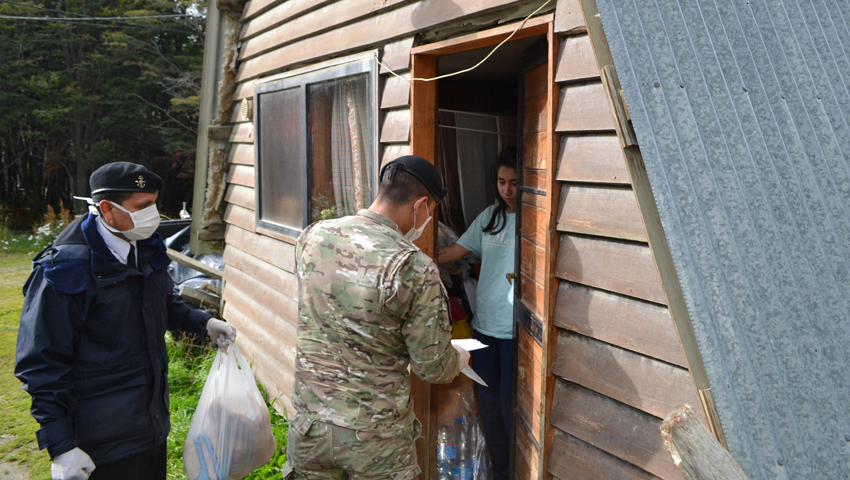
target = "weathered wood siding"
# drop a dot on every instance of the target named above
(618, 366)
(290, 36)
(591, 395)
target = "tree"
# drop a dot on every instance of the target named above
(77, 94)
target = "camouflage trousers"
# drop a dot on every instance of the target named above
(324, 451)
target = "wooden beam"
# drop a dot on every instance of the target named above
(372, 31)
(240, 195)
(423, 112)
(697, 454)
(200, 297)
(219, 132)
(281, 13)
(241, 175)
(396, 55)
(611, 426)
(329, 16)
(282, 329)
(584, 107)
(650, 385)
(256, 7)
(628, 323)
(533, 27)
(241, 154)
(611, 82)
(240, 216)
(194, 264)
(595, 158)
(568, 17)
(663, 260)
(396, 128)
(550, 332)
(271, 275)
(279, 254)
(573, 459)
(593, 20)
(393, 151)
(396, 91)
(599, 210)
(576, 61)
(617, 266)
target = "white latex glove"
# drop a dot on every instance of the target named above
(72, 465)
(221, 332)
(464, 357)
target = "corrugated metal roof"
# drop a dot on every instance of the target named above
(742, 112)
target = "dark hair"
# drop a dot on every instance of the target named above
(404, 188)
(507, 158)
(114, 197)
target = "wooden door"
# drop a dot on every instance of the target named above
(423, 143)
(531, 309)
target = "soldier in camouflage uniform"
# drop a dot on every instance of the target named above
(370, 305)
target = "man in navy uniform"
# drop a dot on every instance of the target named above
(91, 347)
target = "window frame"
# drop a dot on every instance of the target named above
(303, 81)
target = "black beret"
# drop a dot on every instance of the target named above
(124, 177)
(420, 168)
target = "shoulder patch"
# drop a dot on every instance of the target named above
(67, 268)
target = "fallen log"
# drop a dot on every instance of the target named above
(695, 451)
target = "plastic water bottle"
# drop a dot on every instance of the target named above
(476, 447)
(462, 469)
(446, 454)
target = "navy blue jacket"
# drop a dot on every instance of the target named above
(91, 347)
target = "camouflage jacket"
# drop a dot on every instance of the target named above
(370, 304)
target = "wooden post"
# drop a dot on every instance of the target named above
(423, 112)
(695, 451)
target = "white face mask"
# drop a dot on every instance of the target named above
(145, 222)
(414, 232)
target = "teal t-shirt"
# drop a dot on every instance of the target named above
(494, 304)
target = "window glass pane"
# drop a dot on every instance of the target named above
(341, 146)
(280, 142)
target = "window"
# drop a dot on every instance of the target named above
(316, 138)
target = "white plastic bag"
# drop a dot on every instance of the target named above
(462, 452)
(231, 433)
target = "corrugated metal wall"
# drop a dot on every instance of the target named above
(741, 112)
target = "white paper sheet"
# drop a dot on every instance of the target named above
(469, 344)
(469, 372)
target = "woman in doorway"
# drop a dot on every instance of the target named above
(491, 237)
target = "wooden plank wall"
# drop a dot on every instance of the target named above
(618, 366)
(260, 288)
(291, 36)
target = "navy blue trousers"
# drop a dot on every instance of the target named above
(494, 365)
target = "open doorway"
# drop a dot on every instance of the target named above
(462, 123)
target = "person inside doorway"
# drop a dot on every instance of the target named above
(491, 237)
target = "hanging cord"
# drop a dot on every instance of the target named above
(411, 80)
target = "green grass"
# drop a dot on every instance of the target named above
(187, 372)
(16, 424)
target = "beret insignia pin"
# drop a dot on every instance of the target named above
(141, 182)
